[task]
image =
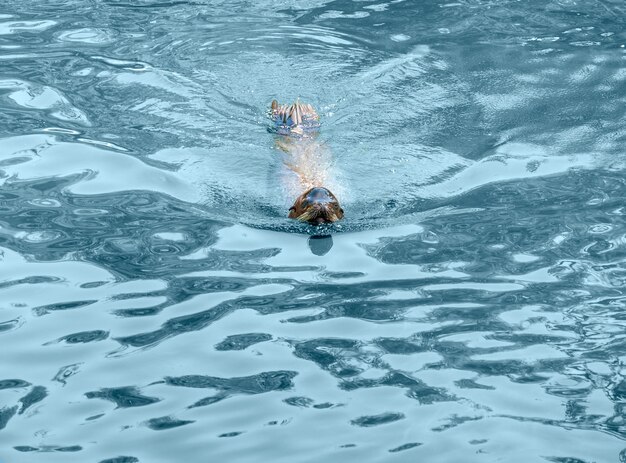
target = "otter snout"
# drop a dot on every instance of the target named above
(316, 206)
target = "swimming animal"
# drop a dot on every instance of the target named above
(298, 124)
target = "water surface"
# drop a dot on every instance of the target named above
(156, 304)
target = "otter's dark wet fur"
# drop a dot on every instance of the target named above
(298, 125)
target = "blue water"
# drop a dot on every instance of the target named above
(156, 305)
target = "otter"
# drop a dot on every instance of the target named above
(297, 124)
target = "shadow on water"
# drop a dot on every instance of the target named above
(320, 244)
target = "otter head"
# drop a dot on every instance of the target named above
(316, 206)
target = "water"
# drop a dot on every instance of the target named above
(156, 304)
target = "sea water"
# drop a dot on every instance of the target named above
(157, 306)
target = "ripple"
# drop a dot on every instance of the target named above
(123, 397)
(60, 130)
(43, 98)
(88, 212)
(48, 448)
(136, 66)
(86, 35)
(377, 420)
(39, 236)
(85, 336)
(105, 144)
(334, 14)
(257, 384)
(600, 228)
(6, 414)
(66, 372)
(9, 325)
(231, 434)
(121, 459)
(166, 422)
(45, 202)
(13, 383)
(242, 341)
(400, 37)
(407, 446)
(46, 309)
(170, 236)
(36, 395)
(17, 27)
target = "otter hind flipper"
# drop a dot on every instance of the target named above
(294, 118)
(298, 112)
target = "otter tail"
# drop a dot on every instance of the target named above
(296, 118)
